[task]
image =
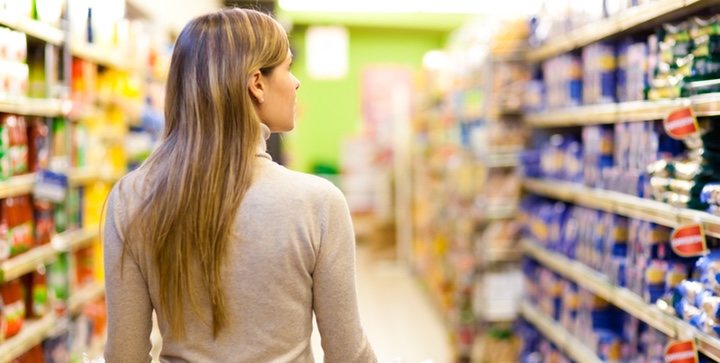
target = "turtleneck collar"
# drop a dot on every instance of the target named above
(262, 144)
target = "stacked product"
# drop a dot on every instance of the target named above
(633, 74)
(14, 71)
(697, 300)
(610, 157)
(599, 68)
(614, 335)
(630, 253)
(560, 17)
(680, 181)
(563, 81)
(687, 58)
(536, 348)
(681, 59)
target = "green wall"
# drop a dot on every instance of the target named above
(329, 111)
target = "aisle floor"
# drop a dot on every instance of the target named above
(399, 320)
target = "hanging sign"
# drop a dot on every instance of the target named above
(689, 240)
(681, 123)
(681, 352)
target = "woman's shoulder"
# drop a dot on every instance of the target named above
(300, 183)
(128, 190)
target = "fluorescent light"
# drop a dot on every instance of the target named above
(409, 6)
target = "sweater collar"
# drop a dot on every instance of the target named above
(262, 144)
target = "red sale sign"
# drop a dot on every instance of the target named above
(689, 241)
(681, 352)
(681, 123)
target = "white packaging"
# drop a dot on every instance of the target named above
(5, 71)
(19, 47)
(49, 11)
(18, 79)
(20, 8)
(5, 43)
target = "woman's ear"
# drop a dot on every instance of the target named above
(256, 87)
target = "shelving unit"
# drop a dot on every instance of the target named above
(35, 106)
(498, 213)
(558, 335)
(630, 20)
(34, 28)
(103, 57)
(30, 260)
(35, 331)
(502, 160)
(85, 295)
(703, 105)
(496, 255)
(32, 333)
(23, 184)
(624, 204)
(622, 298)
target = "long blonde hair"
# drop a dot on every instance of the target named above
(203, 167)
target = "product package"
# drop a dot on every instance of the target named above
(17, 217)
(38, 136)
(36, 293)
(599, 73)
(13, 308)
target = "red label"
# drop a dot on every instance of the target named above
(681, 123)
(681, 352)
(689, 241)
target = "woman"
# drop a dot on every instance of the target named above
(232, 251)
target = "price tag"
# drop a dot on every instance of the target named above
(689, 240)
(51, 186)
(681, 352)
(681, 123)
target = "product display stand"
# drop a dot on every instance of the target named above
(87, 97)
(636, 21)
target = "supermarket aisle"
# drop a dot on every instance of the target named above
(398, 317)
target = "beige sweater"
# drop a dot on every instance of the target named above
(295, 255)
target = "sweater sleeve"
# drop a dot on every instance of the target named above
(334, 295)
(129, 310)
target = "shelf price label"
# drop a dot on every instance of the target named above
(681, 123)
(689, 240)
(681, 352)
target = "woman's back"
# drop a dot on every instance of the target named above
(293, 252)
(233, 251)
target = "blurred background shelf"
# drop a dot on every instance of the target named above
(35, 106)
(45, 32)
(561, 337)
(633, 19)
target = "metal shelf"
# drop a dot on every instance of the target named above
(34, 28)
(703, 105)
(32, 334)
(503, 255)
(45, 107)
(622, 298)
(630, 20)
(35, 331)
(84, 296)
(103, 57)
(566, 341)
(30, 260)
(24, 184)
(497, 213)
(624, 204)
(502, 160)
